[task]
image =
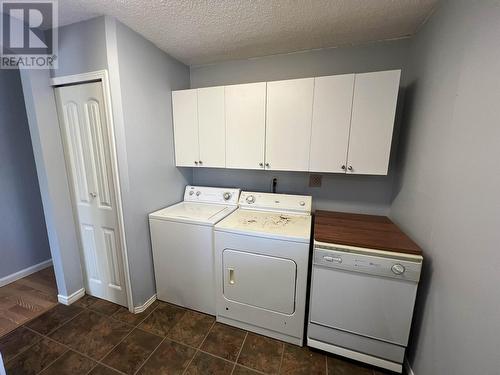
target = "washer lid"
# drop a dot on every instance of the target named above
(276, 225)
(203, 213)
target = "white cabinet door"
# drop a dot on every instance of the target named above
(212, 129)
(331, 119)
(185, 114)
(373, 111)
(245, 125)
(288, 127)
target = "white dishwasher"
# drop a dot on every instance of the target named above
(361, 303)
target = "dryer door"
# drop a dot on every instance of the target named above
(259, 280)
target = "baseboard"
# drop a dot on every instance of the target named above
(68, 300)
(407, 367)
(25, 272)
(145, 305)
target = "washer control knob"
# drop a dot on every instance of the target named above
(198, 193)
(191, 192)
(302, 203)
(398, 269)
(250, 199)
(227, 196)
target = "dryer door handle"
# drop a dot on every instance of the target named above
(231, 276)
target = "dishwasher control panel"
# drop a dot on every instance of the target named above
(344, 259)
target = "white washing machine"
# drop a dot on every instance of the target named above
(182, 242)
(261, 261)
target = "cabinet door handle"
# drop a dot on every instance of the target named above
(231, 276)
(200, 162)
(195, 162)
(267, 165)
(261, 164)
(343, 167)
(350, 168)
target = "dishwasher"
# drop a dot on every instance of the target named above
(361, 303)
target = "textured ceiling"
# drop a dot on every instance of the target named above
(206, 31)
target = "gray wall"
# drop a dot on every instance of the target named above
(82, 47)
(147, 77)
(369, 194)
(447, 193)
(23, 237)
(52, 178)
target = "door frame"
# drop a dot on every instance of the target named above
(103, 77)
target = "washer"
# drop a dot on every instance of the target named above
(261, 260)
(182, 242)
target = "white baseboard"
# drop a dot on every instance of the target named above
(68, 300)
(145, 305)
(25, 272)
(407, 367)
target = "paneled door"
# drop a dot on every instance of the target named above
(245, 125)
(331, 120)
(86, 139)
(288, 127)
(185, 114)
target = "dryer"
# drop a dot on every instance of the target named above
(261, 263)
(182, 243)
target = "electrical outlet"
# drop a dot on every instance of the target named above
(315, 180)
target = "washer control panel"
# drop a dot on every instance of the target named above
(204, 194)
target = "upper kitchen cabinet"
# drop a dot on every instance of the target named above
(211, 125)
(199, 127)
(331, 119)
(288, 124)
(334, 124)
(245, 125)
(372, 122)
(185, 114)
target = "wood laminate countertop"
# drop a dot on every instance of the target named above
(366, 231)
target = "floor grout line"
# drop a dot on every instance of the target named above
(50, 364)
(199, 346)
(281, 360)
(149, 356)
(239, 352)
(80, 353)
(29, 346)
(128, 334)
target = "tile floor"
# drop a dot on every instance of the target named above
(27, 298)
(93, 336)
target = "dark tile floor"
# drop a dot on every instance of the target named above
(97, 337)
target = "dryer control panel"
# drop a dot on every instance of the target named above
(276, 202)
(204, 194)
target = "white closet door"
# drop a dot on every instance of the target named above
(245, 125)
(185, 114)
(373, 111)
(211, 125)
(331, 120)
(86, 139)
(288, 124)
